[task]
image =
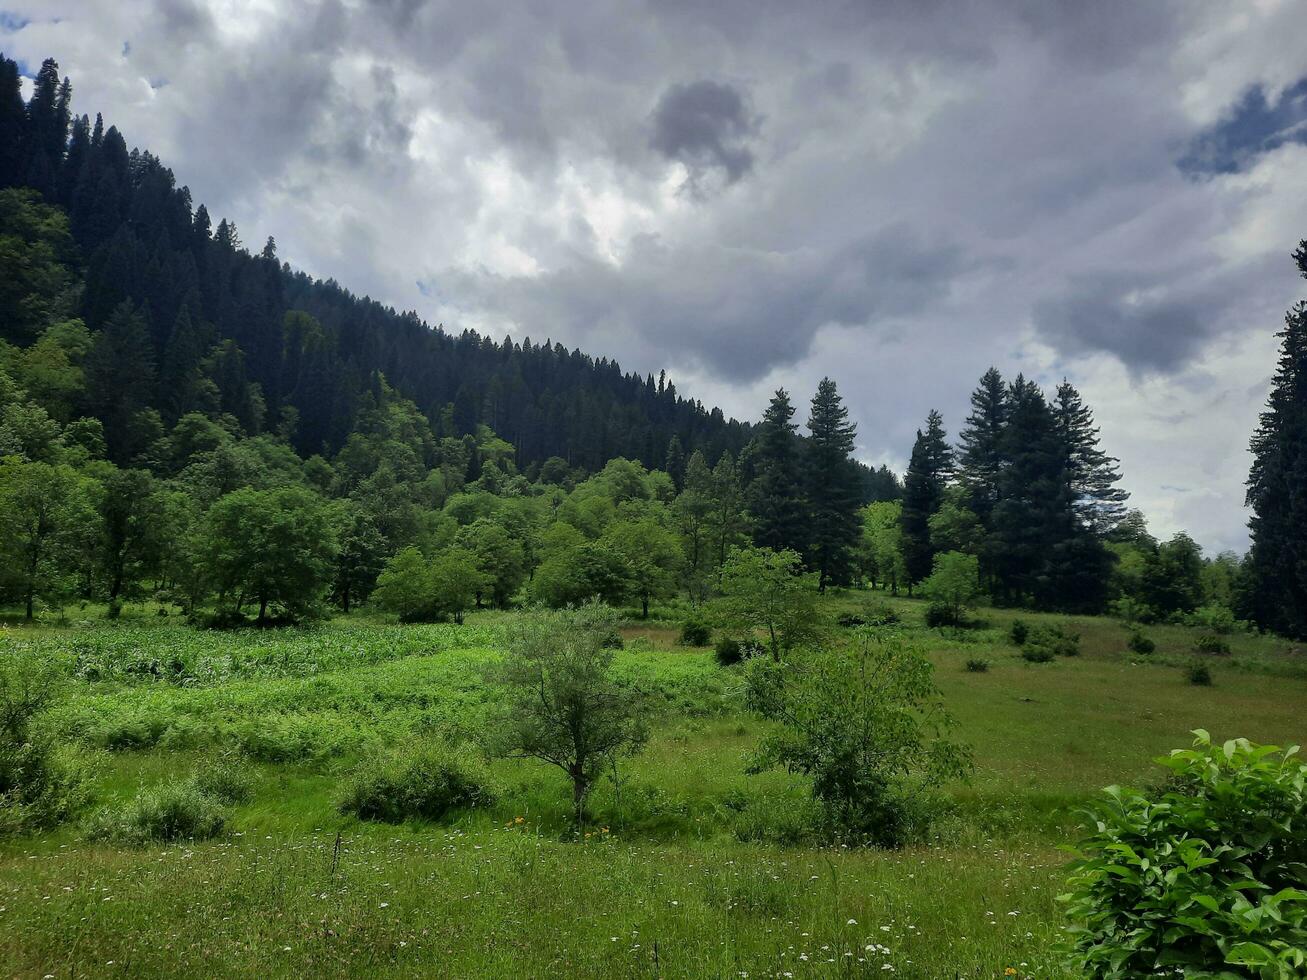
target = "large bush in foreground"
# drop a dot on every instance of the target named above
(424, 783)
(1204, 880)
(868, 727)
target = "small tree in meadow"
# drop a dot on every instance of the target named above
(954, 583)
(455, 581)
(404, 586)
(869, 727)
(768, 590)
(562, 704)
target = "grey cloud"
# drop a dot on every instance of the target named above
(705, 125)
(1251, 127)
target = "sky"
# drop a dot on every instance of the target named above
(755, 194)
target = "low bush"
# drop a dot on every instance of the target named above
(879, 613)
(425, 783)
(227, 779)
(1141, 644)
(695, 634)
(728, 651)
(1199, 675)
(1131, 610)
(1037, 654)
(1056, 641)
(848, 620)
(1215, 618)
(41, 784)
(1205, 880)
(1211, 643)
(977, 666)
(172, 811)
(613, 641)
(1018, 632)
(940, 614)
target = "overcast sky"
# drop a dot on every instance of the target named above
(757, 193)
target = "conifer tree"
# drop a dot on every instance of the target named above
(776, 494)
(834, 488)
(929, 470)
(1091, 474)
(674, 462)
(981, 457)
(13, 124)
(120, 378)
(1277, 487)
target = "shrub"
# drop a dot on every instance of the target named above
(1037, 654)
(728, 651)
(425, 783)
(1130, 610)
(613, 641)
(1205, 880)
(176, 810)
(1018, 633)
(1056, 641)
(879, 614)
(1140, 643)
(227, 779)
(939, 614)
(695, 634)
(40, 784)
(1214, 619)
(977, 666)
(848, 620)
(1199, 675)
(1211, 643)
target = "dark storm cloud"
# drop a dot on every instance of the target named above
(705, 125)
(1253, 126)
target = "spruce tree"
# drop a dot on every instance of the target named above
(1091, 474)
(1277, 487)
(834, 488)
(120, 379)
(929, 471)
(980, 459)
(776, 493)
(13, 124)
(674, 462)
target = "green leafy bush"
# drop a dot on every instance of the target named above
(1211, 643)
(227, 779)
(1018, 633)
(41, 784)
(176, 810)
(848, 620)
(940, 614)
(1205, 881)
(1056, 641)
(424, 783)
(879, 613)
(728, 651)
(1037, 654)
(1215, 618)
(695, 634)
(1131, 610)
(1140, 643)
(1199, 675)
(613, 641)
(977, 666)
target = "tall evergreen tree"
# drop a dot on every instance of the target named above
(13, 124)
(776, 499)
(980, 459)
(120, 379)
(929, 470)
(674, 462)
(1092, 475)
(834, 488)
(1277, 486)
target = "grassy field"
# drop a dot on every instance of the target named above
(687, 871)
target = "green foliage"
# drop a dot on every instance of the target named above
(767, 590)
(1018, 632)
(562, 703)
(40, 784)
(728, 651)
(173, 811)
(1037, 654)
(954, 583)
(1139, 643)
(695, 634)
(1213, 618)
(1199, 674)
(1205, 880)
(975, 665)
(1056, 641)
(423, 782)
(1211, 643)
(580, 573)
(1131, 610)
(869, 729)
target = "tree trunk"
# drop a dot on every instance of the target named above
(579, 787)
(644, 607)
(263, 608)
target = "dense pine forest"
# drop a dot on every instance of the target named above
(176, 407)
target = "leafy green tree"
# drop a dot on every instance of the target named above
(929, 471)
(652, 556)
(36, 250)
(405, 586)
(954, 583)
(562, 703)
(456, 579)
(834, 488)
(728, 524)
(270, 547)
(882, 539)
(955, 527)
(1277, 559)
(45, 521)
(131, 522)
(870, 731)
(776, 500)
(1172, 579)
(572, 575)
(768, 590)
(500, 558)
(359, 556)
(693, 511)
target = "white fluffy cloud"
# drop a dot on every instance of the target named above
(757, 194)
